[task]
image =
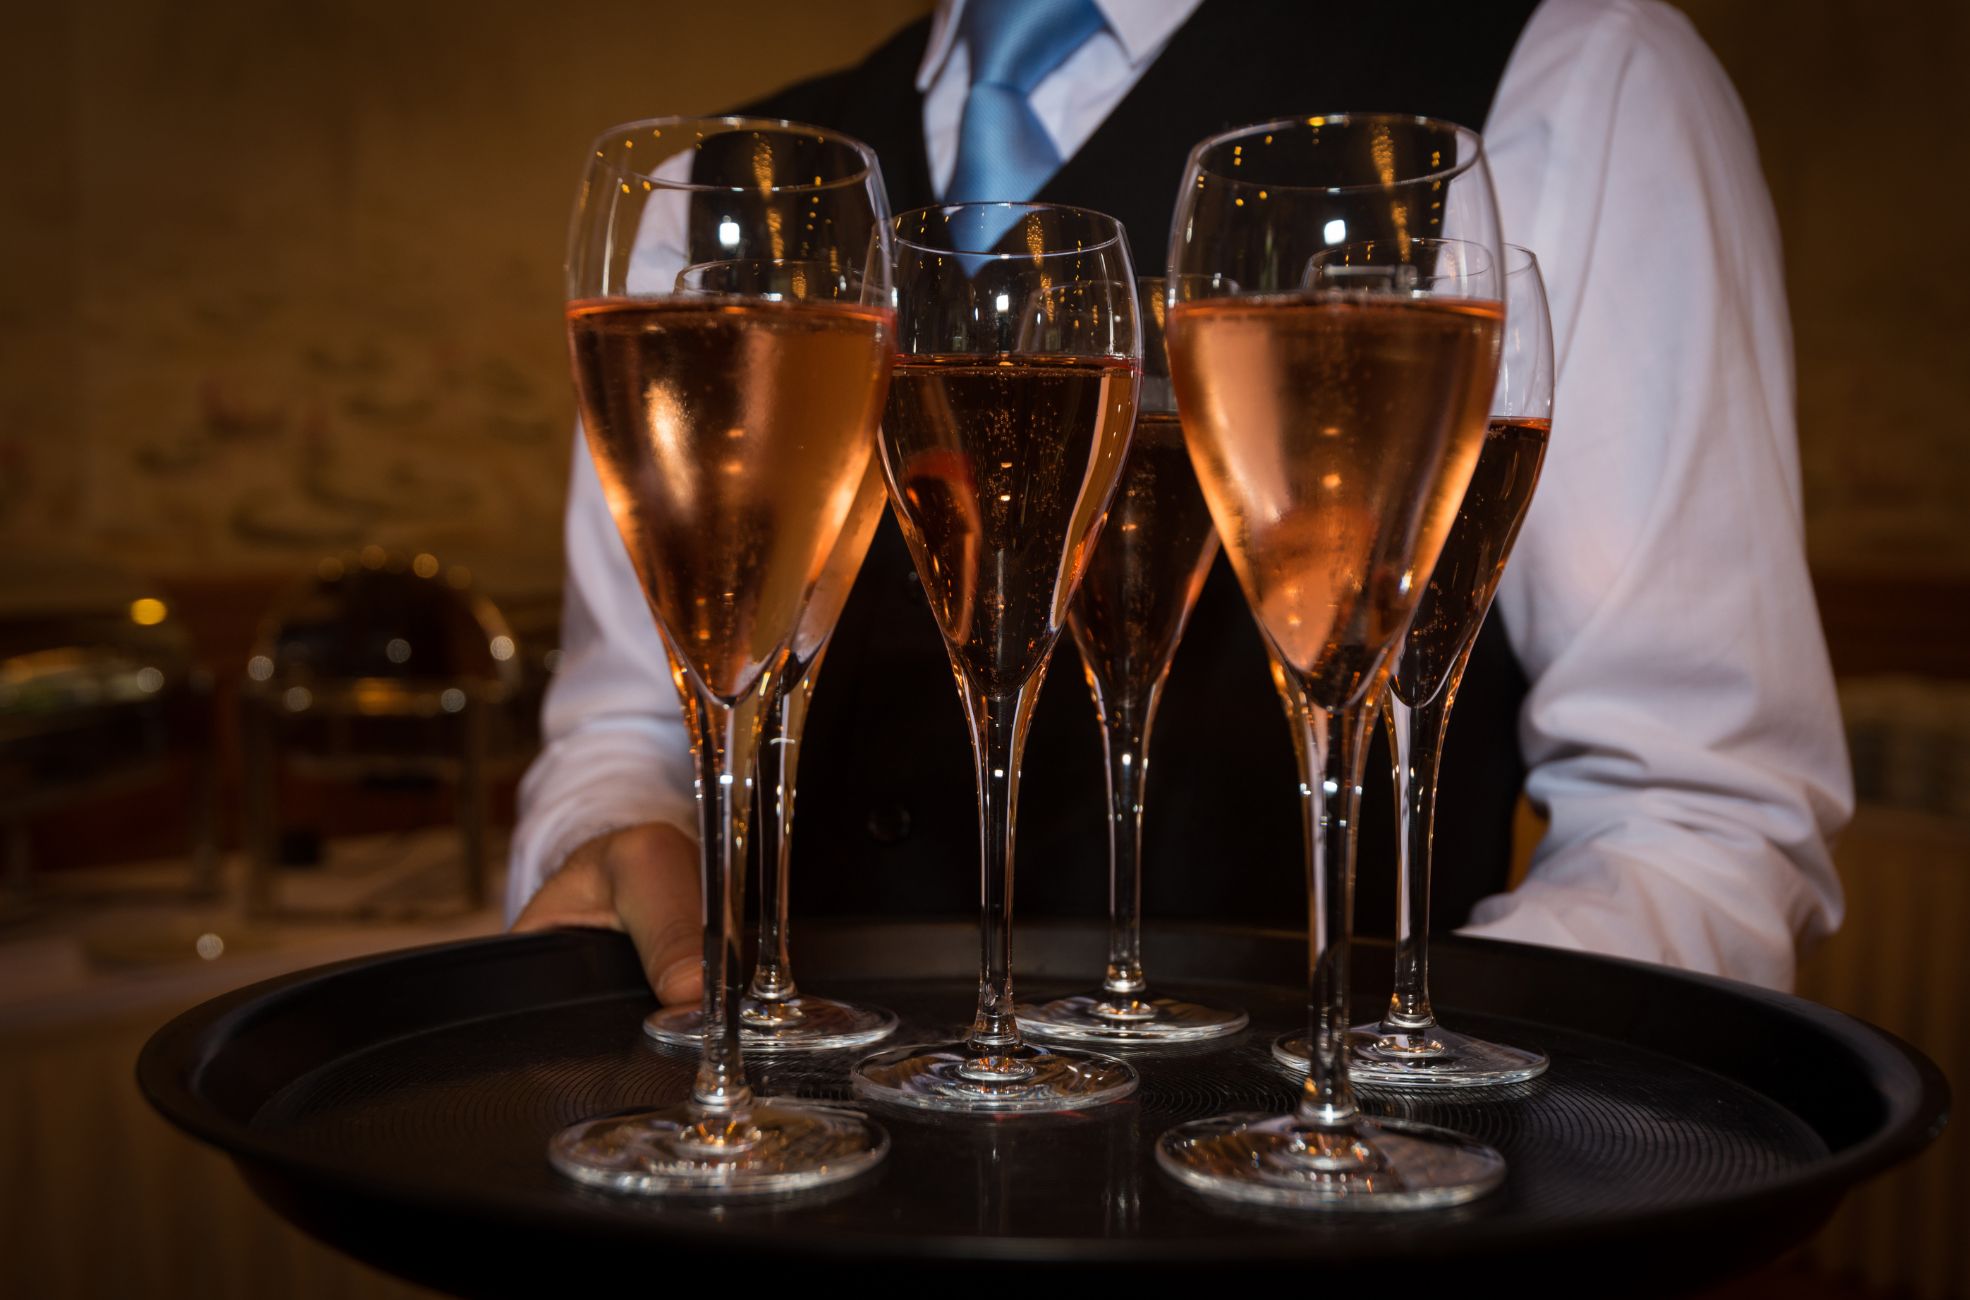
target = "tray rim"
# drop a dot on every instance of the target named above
(1915, 1095)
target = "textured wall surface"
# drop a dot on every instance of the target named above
(284, 279)
(1858, 109)
(281, 279)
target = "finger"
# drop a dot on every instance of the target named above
(654, 873)
(577, 894)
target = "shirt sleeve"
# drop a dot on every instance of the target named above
(1682, 730)
(616, 751)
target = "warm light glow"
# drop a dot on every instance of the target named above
(1381, 150)
(380, 696)
(425, 565)
(502, 648)
(148, 612)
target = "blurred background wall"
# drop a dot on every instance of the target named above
(283, 278)
(282, 281)
(288, 276)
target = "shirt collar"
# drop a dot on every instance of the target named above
(1139, 26)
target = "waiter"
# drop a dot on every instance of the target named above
(1653, 675)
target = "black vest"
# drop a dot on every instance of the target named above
(888, 815)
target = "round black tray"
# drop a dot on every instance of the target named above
(398, 1107)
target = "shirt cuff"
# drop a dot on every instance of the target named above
(1614, 914)
(588, 784)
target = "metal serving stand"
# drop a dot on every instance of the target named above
(99, 693)
(380, 667)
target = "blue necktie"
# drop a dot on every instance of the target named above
(1004, 154)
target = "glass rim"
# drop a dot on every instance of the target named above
(1278, 124)
(1519, 259)
(1114, 239)
(731, 124)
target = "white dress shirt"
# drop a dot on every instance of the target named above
(1681, 726)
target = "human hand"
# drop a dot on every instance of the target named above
(643, 881)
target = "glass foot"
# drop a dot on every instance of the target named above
(1375, 1165)
(675, 1151)
(1437, 1058)
(1442, 1058)
(800, 1024)
(1028, 1080)
(1104, 1017)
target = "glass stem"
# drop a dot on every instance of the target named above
(1416, 742)
(1416, 737)
(998, 739)
(1296, 723)
(779, 762)
(1336, 747)
(1125, 725)
(726, 739)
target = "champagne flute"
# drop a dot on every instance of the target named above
(1408, 1048)
(731, 432)
(774, 1015)
(1333, 411)
(1007, 424)
(1142, 582)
